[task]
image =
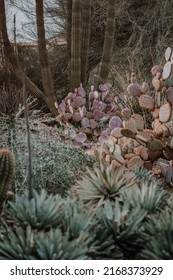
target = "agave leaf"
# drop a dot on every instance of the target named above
(103, 183)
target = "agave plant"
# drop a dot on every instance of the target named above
(148, 196)
(144, 175)
(159, 235)
(125, 224)
(103, 245)
(103, 183)
(50, 227)
(76, 218)
(27, 244)
(159, 248)
(53, 245)
(80, 221)
(41, 212)
(17, 244)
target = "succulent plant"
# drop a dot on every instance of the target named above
(158, 231)
(115, 122)
(6, 172)
(148, 196)
(41, 212)
(103, 183)
(126, 113)
(124, 224)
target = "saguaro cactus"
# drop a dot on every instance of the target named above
(76, 44)
(6, 172)
(68, 26)
(86, 23)
(108, 42)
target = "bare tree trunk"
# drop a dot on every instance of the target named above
(16, 67)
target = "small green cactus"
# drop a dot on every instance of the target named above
(6, 172)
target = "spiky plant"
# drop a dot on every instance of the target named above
(159, 236)
(54, 245)
(144, 175)
(76, 218)
(27, 244)
(17, 244)
(103, 183)
(79, 220)
(159, 248)
(41, 212)
(47, 218)
(6, 172)
(148, 196)
(125, 225)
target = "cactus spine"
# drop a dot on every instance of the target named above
(6, 172)
(86, 23)
(76, 45)
(108, 42)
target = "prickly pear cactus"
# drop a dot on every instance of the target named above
(134, 144)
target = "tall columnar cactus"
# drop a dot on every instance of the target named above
(6, 172)
(76, 44)
(86, 23)
(108, 42)
(68, 27)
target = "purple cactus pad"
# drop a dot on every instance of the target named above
(115, 122)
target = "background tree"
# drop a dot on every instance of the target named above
(143, 31)
(49, 98)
